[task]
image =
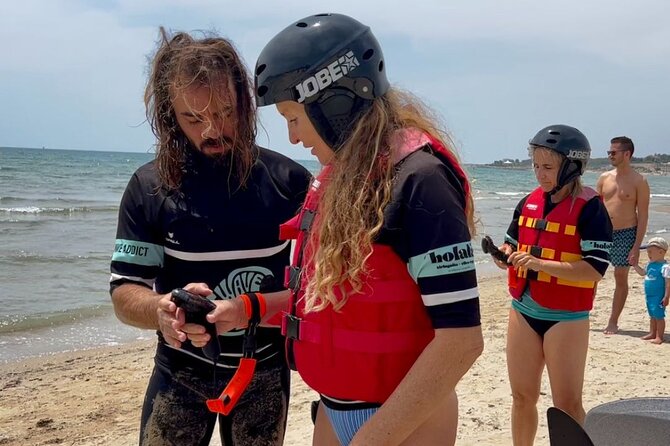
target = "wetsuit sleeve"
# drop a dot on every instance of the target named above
(512, 235)
(440, 254)
(138, 250)
(595, 227)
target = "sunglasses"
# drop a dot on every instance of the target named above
(614, 152)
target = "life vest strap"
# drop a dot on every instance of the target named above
(540, 224)
(351, 340)
(538, 251)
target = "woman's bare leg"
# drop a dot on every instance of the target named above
(525, 363)
(565, 348)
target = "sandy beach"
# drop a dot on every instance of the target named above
(94, 397)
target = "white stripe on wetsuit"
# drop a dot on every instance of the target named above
(114, 277)
(228, 355)
(451, 297)
(226, 255)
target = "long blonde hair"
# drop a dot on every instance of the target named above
(351, 209)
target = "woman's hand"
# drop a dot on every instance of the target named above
(507, 249)
(229, 315)
(523, 260)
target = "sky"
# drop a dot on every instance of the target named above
(72, 73)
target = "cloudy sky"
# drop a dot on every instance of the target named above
(72, 72)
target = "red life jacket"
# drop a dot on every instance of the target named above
(554, 237)
(364, 350)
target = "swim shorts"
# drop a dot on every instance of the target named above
(622, 244)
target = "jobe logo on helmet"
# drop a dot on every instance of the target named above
(335, 70)
(578, 154)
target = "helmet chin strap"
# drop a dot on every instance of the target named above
(335, 114)
(565, 177)
(554, 190)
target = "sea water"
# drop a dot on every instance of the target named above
(58, 214)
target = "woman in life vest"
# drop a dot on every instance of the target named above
(558, 243)
(382, 317)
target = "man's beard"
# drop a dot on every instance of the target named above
(219, 156)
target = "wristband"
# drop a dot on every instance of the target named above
(255, 306)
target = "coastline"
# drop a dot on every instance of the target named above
(94, 397)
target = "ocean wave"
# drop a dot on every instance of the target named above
(27, 322)
(510, 194)
(23, 258)
(660, 195)
(56, 211)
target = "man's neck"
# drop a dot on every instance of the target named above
(624, 168)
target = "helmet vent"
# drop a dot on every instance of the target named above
(260, 69)
(325, 14)
(262, 90)
(552, 141)
(301, 25)
(381, 65)
(368, 54)
(554, 132)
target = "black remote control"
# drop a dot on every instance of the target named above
(490, 248)
(195, 309)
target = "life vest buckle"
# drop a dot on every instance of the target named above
(306, 220)
(292, 324)
(292, 277)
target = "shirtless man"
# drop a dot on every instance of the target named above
(626, 196)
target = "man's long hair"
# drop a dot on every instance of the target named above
(180, 62)
(351, 210)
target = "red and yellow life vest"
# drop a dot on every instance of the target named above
(554, 237)
(364, 350)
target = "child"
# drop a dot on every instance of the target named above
(656, 287)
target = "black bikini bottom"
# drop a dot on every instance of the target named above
(540, 326)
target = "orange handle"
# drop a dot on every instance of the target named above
(235, 388)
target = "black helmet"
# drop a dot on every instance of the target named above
(331, 63)
(569, 142)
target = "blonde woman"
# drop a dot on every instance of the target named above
(558, 243)
(383, 314)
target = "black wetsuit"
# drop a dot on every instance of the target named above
(211, 231)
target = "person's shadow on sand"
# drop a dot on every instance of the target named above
(631, 333)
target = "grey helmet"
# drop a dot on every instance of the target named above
(331, 63)
(569, 142)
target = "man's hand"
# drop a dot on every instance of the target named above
(169, 322)
(172, 322)
(634, 256)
